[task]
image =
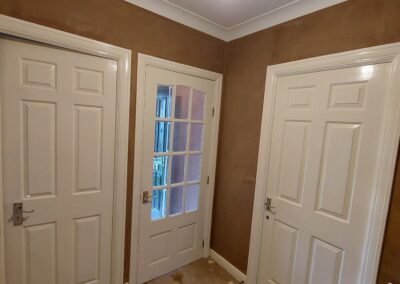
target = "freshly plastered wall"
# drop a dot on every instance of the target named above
(389, 271)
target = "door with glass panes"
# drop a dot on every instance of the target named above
(177, 116)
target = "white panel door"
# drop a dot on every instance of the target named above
(327, 131)
(177, 116)
(58, 123)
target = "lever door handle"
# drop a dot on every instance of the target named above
(269, 207)
(18, 214)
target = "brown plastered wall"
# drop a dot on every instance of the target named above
(125, 25)
(389, 269)
(347, 26)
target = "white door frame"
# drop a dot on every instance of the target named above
(143, 62)
(388, 148)
(26, 30)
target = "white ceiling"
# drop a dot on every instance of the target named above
(231, 19)
(230, 13)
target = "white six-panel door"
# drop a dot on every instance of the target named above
(177, 120)
(327, 128)
(58, 124)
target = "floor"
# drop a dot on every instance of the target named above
(203, 271)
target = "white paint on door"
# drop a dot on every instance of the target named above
(176, 133)
(58, 130)
(327, 128)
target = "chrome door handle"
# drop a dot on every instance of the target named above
(18, 214)
(269, 207)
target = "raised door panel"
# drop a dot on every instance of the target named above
(87, 250)
(351, 95)
(325, 263)
(159, 249)
(187, 238)
(38, 148)
(283, 252)
(40, 254)
(89, 81)
(337, 170)
(300, 97)
(292, 161)
(38, 74)
(88, 141)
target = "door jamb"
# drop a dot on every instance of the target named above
(30, 31)
(388, 148)
(143, 62)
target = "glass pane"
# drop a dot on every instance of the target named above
(192, 197)
(198, 105)
(158, 204)
(178, 168)
(164, 97)
(175, 200)
(182, 102)
(180, 135)
(160, 170)
(161, 136)
(194, 167)
(196, 136)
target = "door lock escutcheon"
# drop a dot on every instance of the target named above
(18, 214)
(147, 198)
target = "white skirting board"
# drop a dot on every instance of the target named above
(236, 273)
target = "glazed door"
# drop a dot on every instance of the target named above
(58, 121)
(178, 111)
(327, 132)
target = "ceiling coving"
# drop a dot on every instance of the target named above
(231, 19)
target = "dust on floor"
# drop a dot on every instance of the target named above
(203, 271)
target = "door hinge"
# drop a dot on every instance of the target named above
(208, 179)
(213, 111)
(203, 244)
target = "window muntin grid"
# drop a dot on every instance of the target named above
(178, 152)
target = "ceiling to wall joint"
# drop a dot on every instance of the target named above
(232, 19)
